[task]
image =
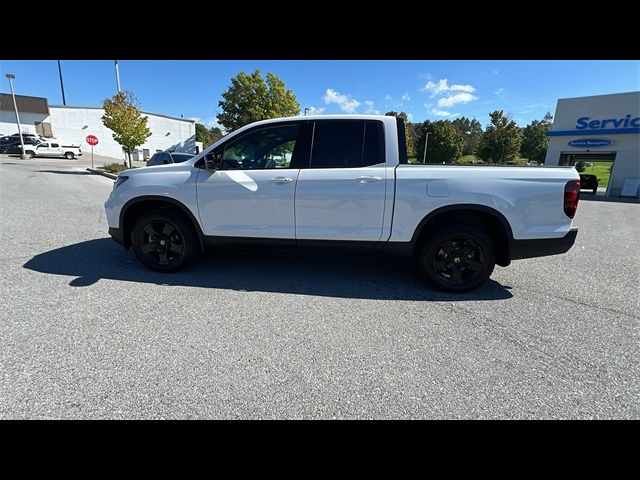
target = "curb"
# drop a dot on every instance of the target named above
(103, 173)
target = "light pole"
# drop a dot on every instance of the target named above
(117, 75)
(11, 76)
(64, 100)
(305, 110)
(424, 157)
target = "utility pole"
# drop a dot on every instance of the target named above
(117, 75)
(424, 157)
(64, 100)
(11, 76)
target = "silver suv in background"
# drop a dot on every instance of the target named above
(165, 158)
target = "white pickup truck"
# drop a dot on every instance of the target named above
(53, 148)
(343, 181)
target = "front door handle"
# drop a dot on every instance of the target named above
(368, 179)
(281, 180)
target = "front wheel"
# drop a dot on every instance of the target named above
(458, 258)
(30, 154)
(69, 155)
(163, 241)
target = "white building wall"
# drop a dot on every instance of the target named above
(600, 107)
(73, 124)
(27, 122)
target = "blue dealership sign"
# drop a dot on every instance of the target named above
(590, 142)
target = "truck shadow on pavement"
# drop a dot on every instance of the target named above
(303, 273)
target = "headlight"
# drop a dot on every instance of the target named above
(119, 181)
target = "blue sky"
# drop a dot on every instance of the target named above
(426, 89)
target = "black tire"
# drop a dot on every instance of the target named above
(30, 154)
(595, 190)
(69, 155)
(163, 240)
(457, 258)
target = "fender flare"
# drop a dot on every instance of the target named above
(159, 198)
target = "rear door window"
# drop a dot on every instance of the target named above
(347, 144)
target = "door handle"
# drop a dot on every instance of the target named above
(281, 180)
(368, 179)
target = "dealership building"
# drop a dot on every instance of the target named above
(603, 129)
(71, 124)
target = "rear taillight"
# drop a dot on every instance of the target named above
(571, 197)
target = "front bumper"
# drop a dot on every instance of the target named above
(543, 247)
(117, 236)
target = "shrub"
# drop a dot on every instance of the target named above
(114, 167)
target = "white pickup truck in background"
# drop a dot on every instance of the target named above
(53, 148)
(343, 181)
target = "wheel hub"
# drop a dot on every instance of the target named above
(458, 260)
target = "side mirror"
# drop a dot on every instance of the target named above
(212, 161)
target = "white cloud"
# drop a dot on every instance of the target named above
(369, 108)
(452, 100)
(405, 97)
(213, 122)
(443, 87)
(345, 102)
(387, 97)
(495, 72)
(500, 91)
(314, 110)
(443, 113)
(449, 95)
(410, 117)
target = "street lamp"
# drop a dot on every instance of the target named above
(11, 76)
(305, 110)
(424, 157)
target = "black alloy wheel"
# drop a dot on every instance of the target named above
(458, 258)
(162, 240)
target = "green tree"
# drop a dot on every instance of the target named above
(501, 140)
(250, 98)
(534, 139)
(444, 144)
(129, 126)
(409, 131)
(471, 131)
(203, 134)
(216, 134)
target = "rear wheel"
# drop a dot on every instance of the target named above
(458, 258)
(69, 155)
(163, 241)
(595, 190)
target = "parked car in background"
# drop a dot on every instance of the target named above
(5, 142)
(53, 149)
(30, 138)
(165, 158)
(589, 182)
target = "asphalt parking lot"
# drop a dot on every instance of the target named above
(87, 332)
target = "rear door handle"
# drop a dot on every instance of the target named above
(368, 179)
(281, 180)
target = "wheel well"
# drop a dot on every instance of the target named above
(138, 208)
(483, 220)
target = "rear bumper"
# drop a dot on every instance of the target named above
(543, 247)
(117, 235)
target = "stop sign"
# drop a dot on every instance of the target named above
(92, 140)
